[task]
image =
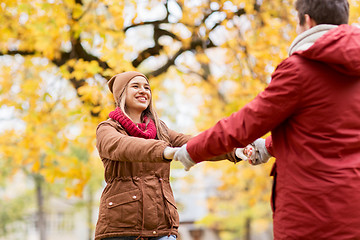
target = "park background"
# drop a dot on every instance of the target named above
(204, 59)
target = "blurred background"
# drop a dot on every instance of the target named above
(205, 59)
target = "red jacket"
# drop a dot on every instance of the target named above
(312, 108)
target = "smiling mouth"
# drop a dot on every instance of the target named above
(143, 99)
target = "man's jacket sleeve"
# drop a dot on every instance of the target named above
(269, 109)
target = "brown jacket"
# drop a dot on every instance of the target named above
(137, 200)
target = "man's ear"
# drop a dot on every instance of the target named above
(309, 22)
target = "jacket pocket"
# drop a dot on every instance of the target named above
(123, 209)
(171, 208)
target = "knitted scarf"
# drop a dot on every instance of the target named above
(137, 130)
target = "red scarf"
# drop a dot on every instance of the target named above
(137, 130)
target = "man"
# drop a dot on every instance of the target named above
(315, 94)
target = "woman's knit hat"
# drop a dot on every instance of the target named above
(118, 82)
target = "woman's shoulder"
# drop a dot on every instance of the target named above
(163, 124)
(110, 122)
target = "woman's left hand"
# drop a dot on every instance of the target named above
(169, 152)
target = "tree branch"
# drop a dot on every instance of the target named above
(13, 53)
(158, 22)
(165, 67)
(86, 11)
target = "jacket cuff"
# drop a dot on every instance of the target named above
(231, 156)
(189, 148)
(161, 155)
(269, 145)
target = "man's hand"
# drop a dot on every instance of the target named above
(256, 152)
(261, 155)
(183, 156)
(169, 153)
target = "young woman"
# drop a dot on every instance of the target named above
(136, 150)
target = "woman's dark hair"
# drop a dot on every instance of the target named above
(323, 11)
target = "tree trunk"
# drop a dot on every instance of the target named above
(248, 228)
(90, 204)
(41, 223)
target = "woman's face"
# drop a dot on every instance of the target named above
(138, 95)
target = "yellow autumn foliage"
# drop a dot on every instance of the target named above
(55, 57)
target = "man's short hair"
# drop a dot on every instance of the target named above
(323, 11)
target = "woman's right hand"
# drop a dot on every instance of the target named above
(246, 154)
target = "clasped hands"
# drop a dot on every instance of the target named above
(255, 153)
(179, 154)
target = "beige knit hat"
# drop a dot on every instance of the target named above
(118, 82)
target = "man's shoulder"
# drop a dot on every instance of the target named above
(296, 58)
(293, 62)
